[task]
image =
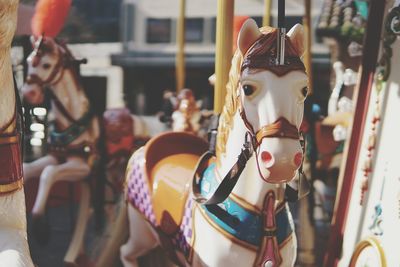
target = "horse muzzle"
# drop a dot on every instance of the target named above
(279, 153)
(32, 93)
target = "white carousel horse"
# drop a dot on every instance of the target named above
(253, 226)
(340, 108)
(14, 250)
(73, 139)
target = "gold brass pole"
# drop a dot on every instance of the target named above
(223, 53)
(267, 13)
(308, 55)
(180, 53)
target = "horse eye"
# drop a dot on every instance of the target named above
(304, 91)
(46, 66)
(248, 89)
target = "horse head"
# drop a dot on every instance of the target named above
(46, 65)
(270, 98)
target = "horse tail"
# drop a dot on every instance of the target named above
(118, 235)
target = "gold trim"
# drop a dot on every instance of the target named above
(9, 188)
(189, 259)
(284, 242)
(9, 124)
(239, 200)
(226, 234)
(5, 140)
(244, 203)
(368, 242)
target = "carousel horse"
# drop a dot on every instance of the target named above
(73, 136)
(340, 104)
(258, 146)
(188, 116)
(14, 250)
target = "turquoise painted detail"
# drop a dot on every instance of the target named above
(362, 8)
(71, 133)
(232, 218)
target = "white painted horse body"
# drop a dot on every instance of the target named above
(14, 250)
(265, 98)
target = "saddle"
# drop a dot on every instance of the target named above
(170, 161)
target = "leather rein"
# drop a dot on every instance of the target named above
(282, 128)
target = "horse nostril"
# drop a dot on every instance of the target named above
(298, 159)
(267, 158)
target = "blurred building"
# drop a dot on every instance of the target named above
(148, 35)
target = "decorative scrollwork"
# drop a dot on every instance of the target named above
(392, 30)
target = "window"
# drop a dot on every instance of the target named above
(158, 30)
(194, 30)
(213, 29)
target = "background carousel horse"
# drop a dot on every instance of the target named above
(253, 226)
(73, 138)
(188, 117)
(14, 250)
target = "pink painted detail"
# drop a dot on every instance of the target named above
(298, 159)
(182, 240)
(270, 256)
(267, 159)
(269, 211)
(138, 190)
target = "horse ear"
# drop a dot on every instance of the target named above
(296, 36)
(248, 34)
(49, 43)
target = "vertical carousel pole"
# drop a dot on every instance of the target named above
(308, 55)
(280, 57)
(223, 53)
(267, 13)
(180, 53)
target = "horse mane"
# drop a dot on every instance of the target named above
(264, 45)
(8, 22)
(231, 104)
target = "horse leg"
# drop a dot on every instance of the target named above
(35, 168)
(74, 169)
(142, 238)
(75, 247)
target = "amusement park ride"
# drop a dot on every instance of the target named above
(221, 200)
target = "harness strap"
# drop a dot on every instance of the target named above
(228, 183)
(11, 151)
(281, 128)
(61, 107)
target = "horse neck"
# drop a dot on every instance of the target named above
(71, 95)
(7, 96)
(250, 186)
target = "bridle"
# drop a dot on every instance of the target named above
(281, 128)
(58, 68)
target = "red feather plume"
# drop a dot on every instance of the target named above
(237, 25)
(49, 17)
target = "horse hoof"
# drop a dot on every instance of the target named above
(40, 229)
